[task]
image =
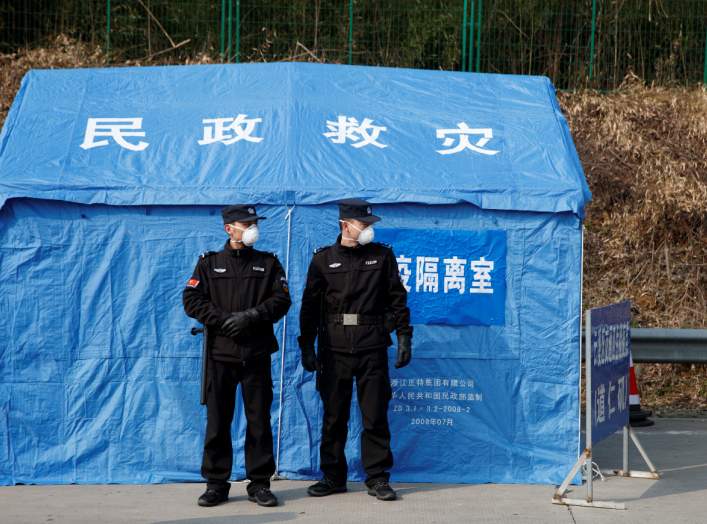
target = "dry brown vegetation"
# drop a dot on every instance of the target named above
(644, 151)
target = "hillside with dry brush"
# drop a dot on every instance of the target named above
(644, 151)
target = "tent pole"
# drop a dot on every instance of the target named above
(581, 305)
(283, 346)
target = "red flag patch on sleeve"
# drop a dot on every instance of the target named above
(192, 282)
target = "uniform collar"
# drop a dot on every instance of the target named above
(245, 251)
(346, 249)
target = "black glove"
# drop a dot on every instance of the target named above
(237, 322)
(309, 358)
(389, 322)
(404, 351)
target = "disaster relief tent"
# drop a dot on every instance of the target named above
(111, 184)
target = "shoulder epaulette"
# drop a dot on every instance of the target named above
(320, 249)
(207, 254)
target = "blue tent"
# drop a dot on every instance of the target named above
(111, 181)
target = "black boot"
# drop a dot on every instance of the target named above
(213, 497)
(325, 487)
(381, 490)
(263, 496)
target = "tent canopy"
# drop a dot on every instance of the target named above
(110, 186)
(289, 133)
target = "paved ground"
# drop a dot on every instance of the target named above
(678, 447)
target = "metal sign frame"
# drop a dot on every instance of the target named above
(585, 459)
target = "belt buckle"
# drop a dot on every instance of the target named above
(350, 319)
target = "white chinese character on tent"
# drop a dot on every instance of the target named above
(116, 128)
(464, 131)
(599, 403)
(454, 277)
(427, 277)
(230, 130)
(482, 276)
(404, 269)
(360, 134)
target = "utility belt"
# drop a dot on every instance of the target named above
(355, 319)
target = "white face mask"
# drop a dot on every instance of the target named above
(251, 234)
(365, 236)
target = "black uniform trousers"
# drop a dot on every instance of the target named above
(256, 388)
(370, 370)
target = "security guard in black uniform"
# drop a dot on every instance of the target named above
(352, 300)
(238, 293)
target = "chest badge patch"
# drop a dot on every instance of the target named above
(371, 262)
(258, 268)
(335, 265)
(220, 269)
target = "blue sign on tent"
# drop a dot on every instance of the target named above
(452, 277)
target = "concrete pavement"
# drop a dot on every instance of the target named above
(678, 447)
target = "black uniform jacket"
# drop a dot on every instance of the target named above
(235, 280)
(363, 280)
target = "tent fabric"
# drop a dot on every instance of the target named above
(99, 376)
(534, 167)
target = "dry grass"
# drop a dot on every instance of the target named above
(644, 151)
(645, 156)
(63, 53)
